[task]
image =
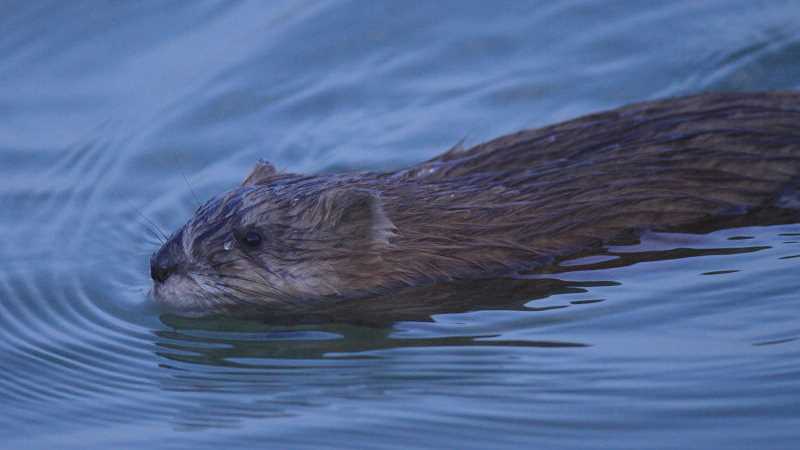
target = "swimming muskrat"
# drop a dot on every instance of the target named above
(283, 242)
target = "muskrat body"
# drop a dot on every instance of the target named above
(288, 243)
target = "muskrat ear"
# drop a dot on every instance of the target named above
(354, 212)
(262, 173)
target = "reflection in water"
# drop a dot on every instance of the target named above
(255, 368)
(227, 351)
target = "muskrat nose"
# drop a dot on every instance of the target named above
(161, 267)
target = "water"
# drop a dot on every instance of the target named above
(681, 341)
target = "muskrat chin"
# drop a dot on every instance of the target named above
(189, 296)
(196, 294)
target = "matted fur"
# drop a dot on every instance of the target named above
(516, 201)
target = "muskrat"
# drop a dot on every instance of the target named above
(288, 243)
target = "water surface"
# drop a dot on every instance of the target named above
(111, 110)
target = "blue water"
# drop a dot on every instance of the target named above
(111, 110)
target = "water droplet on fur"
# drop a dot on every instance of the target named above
(228, 245)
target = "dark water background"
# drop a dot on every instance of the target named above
(105, 107)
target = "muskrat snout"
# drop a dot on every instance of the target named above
(161, 266)
(168, 260)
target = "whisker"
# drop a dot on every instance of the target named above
(234, 277)
(194, 195)
(156, 230)
(247, 296)
(276, 295)
(152, 232)
(186, 179)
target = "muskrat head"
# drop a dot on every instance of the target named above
(277, 242)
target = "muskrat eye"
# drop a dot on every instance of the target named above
(252, 239)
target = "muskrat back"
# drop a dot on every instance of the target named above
(288, 242)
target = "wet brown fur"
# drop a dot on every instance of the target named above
(516, 201)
